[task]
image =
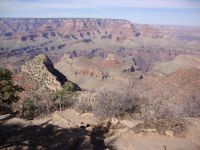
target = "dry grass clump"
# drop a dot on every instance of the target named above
(85, 102)
(178, 127)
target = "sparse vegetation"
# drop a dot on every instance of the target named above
(177, 127)
(115, 104)
(125, 69)
(65, 96)
(163, 108)
(28, 109)
(191, 107)
(85, 102)
(8, 91)
(49, 101)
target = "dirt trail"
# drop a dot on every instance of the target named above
(68, 118)
(129, 140)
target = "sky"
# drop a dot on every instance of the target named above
(164, 12)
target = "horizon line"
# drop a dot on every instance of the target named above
(100, 19)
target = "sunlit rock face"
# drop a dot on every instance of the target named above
(41, 68)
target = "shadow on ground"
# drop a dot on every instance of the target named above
(48, 136)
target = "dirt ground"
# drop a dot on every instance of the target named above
(68, 129)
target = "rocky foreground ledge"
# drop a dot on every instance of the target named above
(73, 131)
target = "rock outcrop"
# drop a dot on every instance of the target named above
(42, 70)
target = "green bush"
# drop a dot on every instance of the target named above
(28, 109)
(64, 98)
(70, 87)
(8, 91)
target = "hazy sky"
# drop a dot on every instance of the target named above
(174, 12)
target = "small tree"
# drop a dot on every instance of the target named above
(65, 95)
(28, 108)
(46, 101)
(8, 91)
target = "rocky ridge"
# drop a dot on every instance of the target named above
(42, 69)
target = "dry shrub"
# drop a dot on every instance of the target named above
(85, 102)
(111, 103)
(179, 127)
(44, 104)
(165, 108)
(161, 109)
(165, 114)
(191, 107)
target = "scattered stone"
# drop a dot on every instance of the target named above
(129, 123)
(141, 76)
(86, 143)
(83, 127)
(149, 130)
(89, 129)
(114, 122)
(169, 133)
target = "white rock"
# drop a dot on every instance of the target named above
(169, 133)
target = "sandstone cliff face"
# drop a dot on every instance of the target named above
(41, 69)
(84, 67)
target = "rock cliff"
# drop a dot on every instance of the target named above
(42, 69)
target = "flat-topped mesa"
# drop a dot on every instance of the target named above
(84, 29)
(42, 69)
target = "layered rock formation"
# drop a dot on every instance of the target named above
(22, 39)
(81, 66)
(69, 28)
(92, 73)
(180, 62)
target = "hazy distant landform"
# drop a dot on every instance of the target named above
(22, 39)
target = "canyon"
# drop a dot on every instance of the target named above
(100, 84)
(22, 39)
